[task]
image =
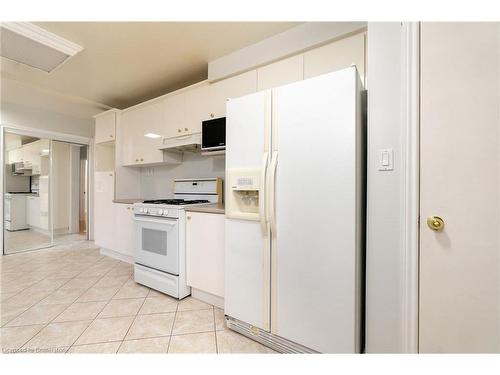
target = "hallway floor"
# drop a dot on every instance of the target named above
(75, 300)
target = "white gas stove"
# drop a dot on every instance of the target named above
(160, 251)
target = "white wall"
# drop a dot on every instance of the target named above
(74, 189)
(385, 190)
(26, 105)
(14, 114)
(60, 175)
(160, 183)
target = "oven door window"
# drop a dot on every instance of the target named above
(155, 241)
(157, 244)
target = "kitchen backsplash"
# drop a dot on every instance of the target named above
(157, 182)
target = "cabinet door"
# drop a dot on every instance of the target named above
(233, 87)
(33, 214)
(205, 252)
(16, 155)
(104, 218)
(105, 127)
(152, 123)
(197, 108)
(174, 122)
(335, 56)
(124, 230)
(280, 73)
(129, 133)
(138, 149)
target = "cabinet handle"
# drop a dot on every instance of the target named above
(142, 159)
(186, 129)
(212, 115)
(179, 130)
(188, 217)
(111, 135)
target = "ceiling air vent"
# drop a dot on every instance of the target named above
(31, 45)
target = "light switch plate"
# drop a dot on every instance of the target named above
(386, 159)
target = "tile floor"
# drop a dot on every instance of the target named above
(74, 300)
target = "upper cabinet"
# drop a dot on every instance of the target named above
(16, 155)
(233, 87)
(105, 124)
(142, 128)
(280, 73)
(197, 108)
(335, 56)
(30, 154)
(174, 116)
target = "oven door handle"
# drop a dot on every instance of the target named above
(156, 221)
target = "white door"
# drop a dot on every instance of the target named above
(316, 220)
(247, 247)
(460, 154)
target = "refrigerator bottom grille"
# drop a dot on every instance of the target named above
(274, 342)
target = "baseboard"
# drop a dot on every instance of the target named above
(208, 298)
(116, 255)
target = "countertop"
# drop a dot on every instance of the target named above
(128, 201)
(212, 208)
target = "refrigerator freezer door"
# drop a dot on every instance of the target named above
(317, 211)
(247, 258)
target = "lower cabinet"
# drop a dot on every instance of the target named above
(124, 238)
(33, 215)
(205, 252)
(113, 222)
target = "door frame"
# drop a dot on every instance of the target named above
(410, 158)
(52, 136)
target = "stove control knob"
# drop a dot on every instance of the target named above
(165, 212)
(145, 210)
(141, 210)
(160, 212)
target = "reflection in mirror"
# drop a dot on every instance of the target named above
(27, 222)
(45, 196)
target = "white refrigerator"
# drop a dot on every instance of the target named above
(295, 191)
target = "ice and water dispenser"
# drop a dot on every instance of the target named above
(242, 197)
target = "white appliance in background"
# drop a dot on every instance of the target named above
(160, 251)
(15, 211)
(295, 215)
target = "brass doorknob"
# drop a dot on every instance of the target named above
(435, 223)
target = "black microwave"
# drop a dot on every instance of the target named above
(213, 134)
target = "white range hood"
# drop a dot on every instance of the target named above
(182, 143)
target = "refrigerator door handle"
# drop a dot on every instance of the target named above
(262, 195)
(271, 193)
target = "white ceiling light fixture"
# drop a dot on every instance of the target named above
(152, 135)
(31, 45)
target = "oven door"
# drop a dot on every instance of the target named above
(157, 243)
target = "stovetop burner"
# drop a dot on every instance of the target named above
(176, 202)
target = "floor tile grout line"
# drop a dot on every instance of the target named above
(215, 333)
(133, 321)
(173, 324)
(96, 317)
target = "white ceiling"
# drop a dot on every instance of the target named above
(125, 63)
